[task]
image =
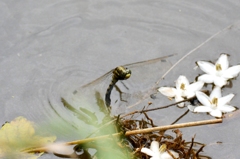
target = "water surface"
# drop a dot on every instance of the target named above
(51, 48)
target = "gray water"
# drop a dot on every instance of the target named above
(49, 48)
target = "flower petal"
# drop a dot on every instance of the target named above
(189, 94)
(181, 80)
(179, 98)
(226, 108)
(155, 147)
(166, 155)
(223, 61)
(220, 81)
(196, 86)
(168, 91)
(216, 93)
(58, 147)
(203, 98)
(147, 151)
(191, 108)
(231, 72)
(216, 113)
(206, 78)
(224, 100)
(192, 88)
(207, 67)
(202, 109)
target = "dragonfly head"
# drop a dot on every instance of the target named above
(121, 73)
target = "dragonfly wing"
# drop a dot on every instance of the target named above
(146, 73)
(127, 92)
(142, 82)
(91, 96)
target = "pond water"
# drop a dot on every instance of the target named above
(50, 49)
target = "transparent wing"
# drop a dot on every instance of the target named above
(126, 93)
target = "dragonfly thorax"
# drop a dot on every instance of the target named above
(121, 73)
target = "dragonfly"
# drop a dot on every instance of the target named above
(119, 73)
(126, 85)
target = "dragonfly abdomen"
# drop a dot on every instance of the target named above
(108, 93)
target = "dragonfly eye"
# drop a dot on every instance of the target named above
(121, 73)
(127, 74)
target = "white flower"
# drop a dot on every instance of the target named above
(157, 153)
(215, 104)
(218, 73)
(59, 147)
(183, 89)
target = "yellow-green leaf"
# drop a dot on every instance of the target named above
(18, 135)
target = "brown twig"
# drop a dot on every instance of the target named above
(175, 126)
(180, 117)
